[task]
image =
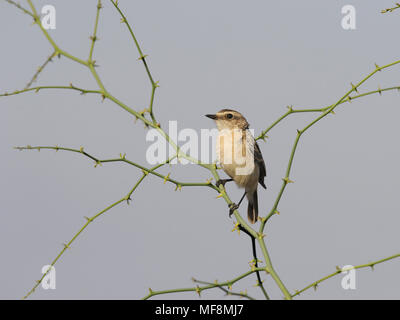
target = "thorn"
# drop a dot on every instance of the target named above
(145, 172)
(143, 57)
(354, 87)
(66, 246)
(338, 269)
(178, 187)
(151, 291)
(287, 180)
(378, 68)
(315, 286)
(236, 228)
(88, 219)
(122, 156)
(372, 267)
(97, 162)
(166, 178)
(261, 235)
(290, 108)
(219, 196)
(81, 149)
(198, 290)
(277, 212)
(144, 111)
(380, 90)
(258, 284)
(262, 219)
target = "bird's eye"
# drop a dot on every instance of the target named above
(229, 116)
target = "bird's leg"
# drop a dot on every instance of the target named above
(222, 181)
(234, 206)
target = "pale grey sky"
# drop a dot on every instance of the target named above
(253, 56)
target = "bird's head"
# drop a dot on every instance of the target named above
(227, 119)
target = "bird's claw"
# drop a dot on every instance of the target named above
(219, 182)
(232, 207)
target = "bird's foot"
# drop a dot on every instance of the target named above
(232, 207)
(219, 182)
(222, 181)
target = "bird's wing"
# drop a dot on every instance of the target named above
(258, 158)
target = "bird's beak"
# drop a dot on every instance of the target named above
(211, 116)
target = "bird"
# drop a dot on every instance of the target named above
(240, 157)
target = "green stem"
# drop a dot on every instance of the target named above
(270, 269)
(326, 111)
(37, 89)
(339, 270)
(94, 36)
(199, 289)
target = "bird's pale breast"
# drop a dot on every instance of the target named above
(235, 153)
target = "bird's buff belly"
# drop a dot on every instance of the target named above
(242, 180)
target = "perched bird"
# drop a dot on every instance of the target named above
(240, 157)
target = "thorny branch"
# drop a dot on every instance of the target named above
(91, 65)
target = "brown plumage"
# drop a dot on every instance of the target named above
(240, 156)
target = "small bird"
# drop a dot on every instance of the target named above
(240, 157)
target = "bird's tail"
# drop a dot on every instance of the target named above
(252, 208)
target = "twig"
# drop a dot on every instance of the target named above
(37, 89)
(242, 294)
(123, 158)
(40, 69)
(142, 57)
(346, 97)
(340, 270)
(255, 261)
(94, 38)
(391, 9)
(290, 111)
(67, 245)
(199, 289)
(20, 7)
